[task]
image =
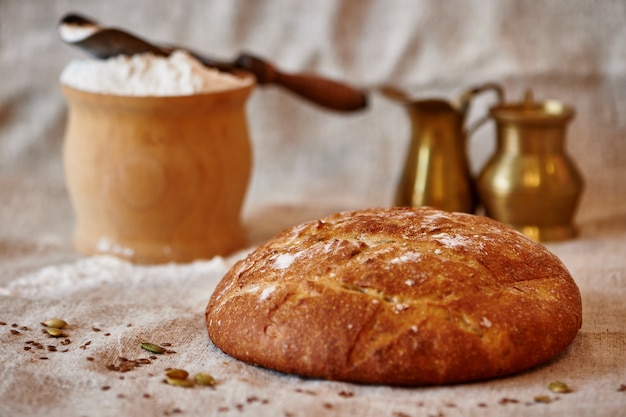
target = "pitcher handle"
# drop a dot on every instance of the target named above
(467, 97)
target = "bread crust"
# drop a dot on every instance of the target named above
(400, 296)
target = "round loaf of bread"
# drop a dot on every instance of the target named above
(397, 296)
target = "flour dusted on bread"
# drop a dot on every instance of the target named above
(397, 296)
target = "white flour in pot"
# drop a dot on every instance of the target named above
(148, 75)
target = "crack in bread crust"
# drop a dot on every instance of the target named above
(397, 296)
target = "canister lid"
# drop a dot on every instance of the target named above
(530, 111)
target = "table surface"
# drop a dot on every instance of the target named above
(112, 306)
(308, 163)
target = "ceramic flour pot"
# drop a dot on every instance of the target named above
(158, 179)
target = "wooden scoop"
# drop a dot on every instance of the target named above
(102, 43)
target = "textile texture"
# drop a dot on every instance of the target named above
(308, 162)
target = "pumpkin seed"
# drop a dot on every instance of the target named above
(151, 347)
(543, 399)
(55, 323)
(559, 387)
(176, 373)
(185, 383)
(202, 378)
(55, 332)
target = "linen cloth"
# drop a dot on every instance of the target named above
(309, 162)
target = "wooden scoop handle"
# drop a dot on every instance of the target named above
(322, 91)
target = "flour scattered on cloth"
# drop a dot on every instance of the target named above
(102, 278)
(179, 74)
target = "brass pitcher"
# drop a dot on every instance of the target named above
(530, 182)
(436, 171)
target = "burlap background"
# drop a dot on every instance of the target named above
(308, 162)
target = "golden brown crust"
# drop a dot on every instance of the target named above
(397, 296)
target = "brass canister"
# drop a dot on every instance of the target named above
(530, 182)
